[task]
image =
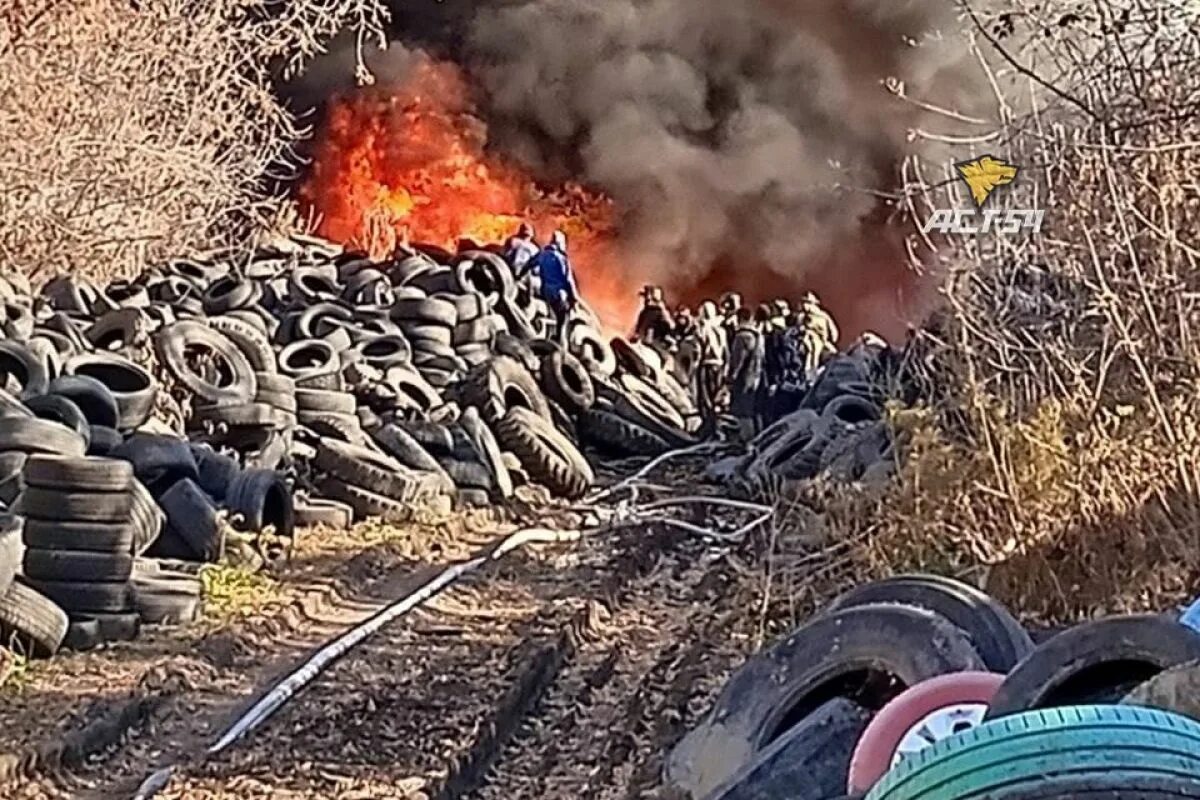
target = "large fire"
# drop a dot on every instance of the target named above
(407, 163)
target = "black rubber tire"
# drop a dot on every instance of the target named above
(369, 469)
(428, 310)
(435, 438)
(173, 345)
(1098, 661)
(312, 363)
(850, 409)
(214, 471)
(468, 474)
(77, 565)
(488, 450)
(500, 385)
(167, 601)
(22, 366)
(12, 407)
(313, 511)
(95, 537)
(366, 504)
(192, 516)
(228, 293)
(808, 762)
(78, 474)
(53, 408)
(131, 386)
(469, 497)
(12, 549)
(384, 352)
(122, 626)
(510, 346)
(262, 498)
(12, 466)
(325, 402)
(158, 461)
(1071, 753)
(32, 435)
(565, 380)
(103, 441)
(616, 435)
(999, 638)
(98, 596)
(249, 339)
(148, 518)
(91, 396)
(839, 369)
(402, 446)
(547, 455)
(83, 634)
(32, 621)
(867, 653)
(60, 506)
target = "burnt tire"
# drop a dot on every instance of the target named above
(547, 455)
(998, 637)
(1095, 662)
(869, 653)
(77, 565)
(31, 621)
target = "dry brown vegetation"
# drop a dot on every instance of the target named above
(131, 131)
(1056, 462)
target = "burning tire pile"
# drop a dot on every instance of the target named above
(146, 422)
(921, 687)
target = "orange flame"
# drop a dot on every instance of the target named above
(407, 163)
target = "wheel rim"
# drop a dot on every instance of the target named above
(938, 725)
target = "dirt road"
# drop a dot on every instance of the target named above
(561, 671)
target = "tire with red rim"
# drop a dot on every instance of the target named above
(911, 713)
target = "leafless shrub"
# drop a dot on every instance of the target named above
(135, 130)
(1057, 461)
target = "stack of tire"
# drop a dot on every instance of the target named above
(83, 523)
(837, 433)
(921, 687)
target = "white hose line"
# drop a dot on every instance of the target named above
(300, 677)
(644, 471)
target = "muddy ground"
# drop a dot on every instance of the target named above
(561, 671)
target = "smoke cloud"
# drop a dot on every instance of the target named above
(747, 143)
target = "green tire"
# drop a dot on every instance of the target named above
(1067, 752)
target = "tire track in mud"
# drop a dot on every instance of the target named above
(451, 701)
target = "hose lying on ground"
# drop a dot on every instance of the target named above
(625, 516)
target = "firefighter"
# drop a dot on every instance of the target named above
(521, 249)
(710, 372)
(687, 349)
(820, 334)
(558, 287)
(654, 322)
(745, 372)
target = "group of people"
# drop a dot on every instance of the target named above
(756, 362)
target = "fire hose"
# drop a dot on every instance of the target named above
(623, 516)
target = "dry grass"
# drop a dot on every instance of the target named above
(1056, 462)
(133, 131)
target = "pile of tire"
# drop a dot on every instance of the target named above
(837, 432)
(920, 687)
(301, 385)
